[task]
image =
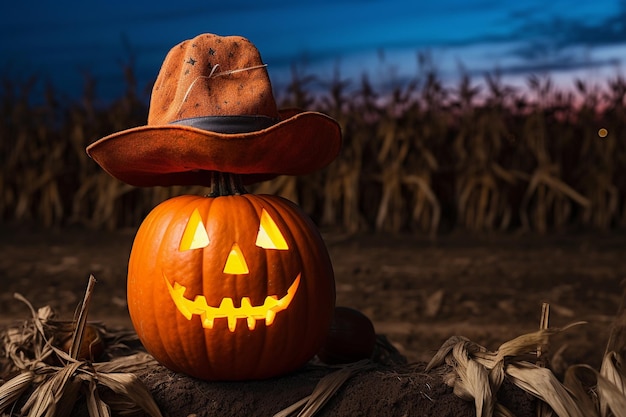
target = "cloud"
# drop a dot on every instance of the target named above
(563, 41)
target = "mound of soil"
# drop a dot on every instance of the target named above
(381, 391)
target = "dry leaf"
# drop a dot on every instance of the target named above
(324, 390)
(542, 383)
(129, 386)
(473, 381)
(612, 385)
(11, 390)
(573, 380)
(95, 406)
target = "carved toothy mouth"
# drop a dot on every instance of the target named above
(267, 311)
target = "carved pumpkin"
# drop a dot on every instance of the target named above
(230, 287)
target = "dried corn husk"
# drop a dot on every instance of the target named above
(56, 379)
(478, 373)
(324, 390)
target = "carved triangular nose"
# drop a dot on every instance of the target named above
(236, 262)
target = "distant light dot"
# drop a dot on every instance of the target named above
(603, 132)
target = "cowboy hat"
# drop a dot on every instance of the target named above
(212, 109)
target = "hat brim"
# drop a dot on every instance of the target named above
(302, 142)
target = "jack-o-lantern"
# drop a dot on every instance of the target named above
(230, 287)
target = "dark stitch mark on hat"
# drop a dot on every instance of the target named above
(211, 51)
(191, 61)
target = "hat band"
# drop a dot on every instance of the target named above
(228, 124)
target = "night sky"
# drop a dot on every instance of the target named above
(59, 41)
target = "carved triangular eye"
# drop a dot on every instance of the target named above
(269, 236)
(195, 235)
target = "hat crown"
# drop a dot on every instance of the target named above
(211, 75)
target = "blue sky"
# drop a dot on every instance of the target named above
(63, 39)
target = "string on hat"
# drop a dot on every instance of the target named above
(213, 74)
(219, 74)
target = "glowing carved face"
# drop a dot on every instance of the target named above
(268, 237)
(191, 240)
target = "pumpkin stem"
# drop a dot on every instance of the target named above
(225, 183)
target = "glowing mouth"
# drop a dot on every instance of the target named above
(271, 306)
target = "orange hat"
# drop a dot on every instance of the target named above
(212, 109)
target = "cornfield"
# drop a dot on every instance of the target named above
(418, 156)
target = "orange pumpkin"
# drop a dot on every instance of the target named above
(231, 287)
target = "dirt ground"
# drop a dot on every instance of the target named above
(418, 292)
